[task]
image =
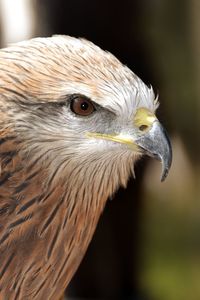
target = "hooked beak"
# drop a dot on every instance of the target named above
(155, 143)
(151, 139)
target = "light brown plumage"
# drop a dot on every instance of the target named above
(54, 179)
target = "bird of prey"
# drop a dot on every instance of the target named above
(73, 121)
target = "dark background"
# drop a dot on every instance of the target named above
(147, 243)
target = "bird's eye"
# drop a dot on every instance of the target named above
(82, 106)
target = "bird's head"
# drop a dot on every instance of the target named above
(72, 104)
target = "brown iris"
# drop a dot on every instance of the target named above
(82, 106)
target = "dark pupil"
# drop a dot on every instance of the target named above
(84, 105)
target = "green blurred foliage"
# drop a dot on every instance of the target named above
(170, 218)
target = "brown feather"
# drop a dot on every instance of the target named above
(53, 185)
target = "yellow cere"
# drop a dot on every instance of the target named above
(120, 138)
(144, 117)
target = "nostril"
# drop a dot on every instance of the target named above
(143, 127)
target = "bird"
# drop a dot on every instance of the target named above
(73, 122)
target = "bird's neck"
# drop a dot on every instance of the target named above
(55, 212)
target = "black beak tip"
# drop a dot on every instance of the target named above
(164, 174)
(166, 162)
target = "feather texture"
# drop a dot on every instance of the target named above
(54, 181)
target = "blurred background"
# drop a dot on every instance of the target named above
(147, 244)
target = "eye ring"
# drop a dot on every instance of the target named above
(82, 106)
